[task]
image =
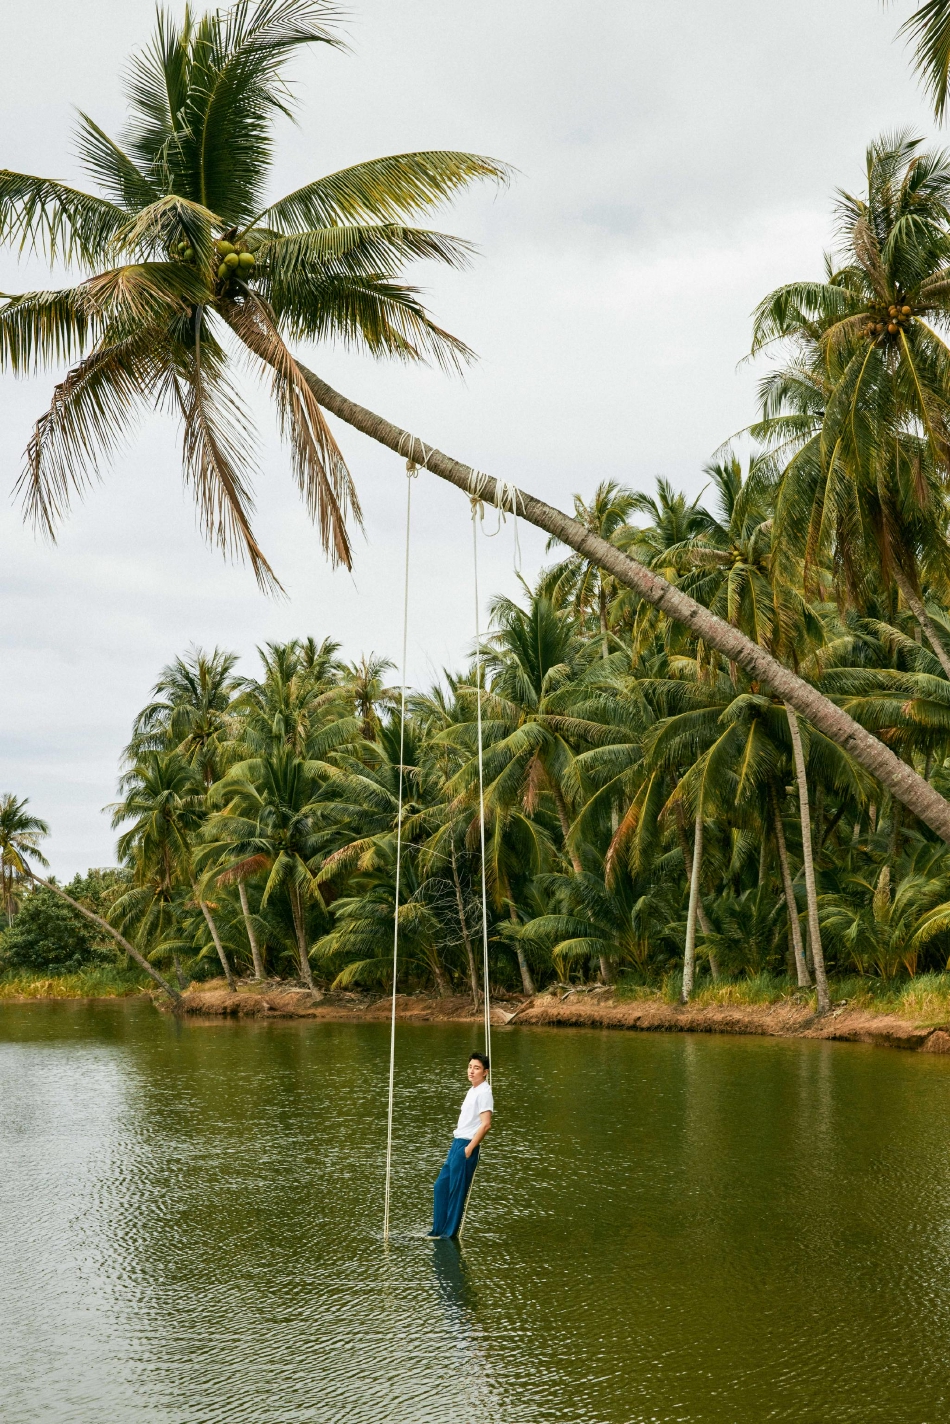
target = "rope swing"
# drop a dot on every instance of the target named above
(411, 472)
(478, 514)
(478, 511)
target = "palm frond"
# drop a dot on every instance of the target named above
(216, 445)
(91, 413)
(62, 222)
(322, 476)
(384, 189)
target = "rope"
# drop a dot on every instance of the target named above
(476, 505)
(478, 512)
(411, 472)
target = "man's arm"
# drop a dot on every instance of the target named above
(479, 1133)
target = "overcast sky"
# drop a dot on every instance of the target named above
(675, 162)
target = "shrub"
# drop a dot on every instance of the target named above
(48, 935)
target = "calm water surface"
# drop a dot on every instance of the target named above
(663, 1228)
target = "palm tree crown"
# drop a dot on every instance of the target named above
(187, 262)
(20, 836)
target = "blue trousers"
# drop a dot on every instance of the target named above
(451, 1189)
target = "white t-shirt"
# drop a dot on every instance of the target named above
(477, 1101)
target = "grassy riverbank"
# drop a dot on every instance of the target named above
(906, 1014)
(916, 1015)
(925, 999)
(98, 982)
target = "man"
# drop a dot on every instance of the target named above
(452, 1184)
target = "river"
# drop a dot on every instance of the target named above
(705, 1230)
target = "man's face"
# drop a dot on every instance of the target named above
(476, 1073)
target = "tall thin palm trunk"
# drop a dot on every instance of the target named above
(466, 937)
(527, 983)
(900, 779)
(689, 957)
(442, 985)
(794, 928)
(213, 929)
(916, 606)
(701, 915)
(606, 970)
(300, 928)
(814, 931)
(251, 936)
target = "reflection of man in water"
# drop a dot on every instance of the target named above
(452, 1184)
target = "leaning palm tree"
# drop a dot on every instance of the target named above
(186, 260)
(20, 836)
(189, 264)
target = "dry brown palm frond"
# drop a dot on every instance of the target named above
(90, 414)
(215, 441)
(243, 869)
(868, 252)
(322, 475)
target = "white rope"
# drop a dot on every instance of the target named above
(478, 512)
(481, 789)
(411, 474)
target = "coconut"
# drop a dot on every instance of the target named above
(905, 311)
(224, 271)
(246, 260)
(892, 327)
(188, 253)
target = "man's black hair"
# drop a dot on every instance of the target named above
(480, 1058)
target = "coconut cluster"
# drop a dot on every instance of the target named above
(236, 261)
(890, 320)
(233, 260)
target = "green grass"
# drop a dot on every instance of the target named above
(926, 999)
(96, 982)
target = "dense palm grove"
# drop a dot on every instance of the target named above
(653, 812)
(642, 799)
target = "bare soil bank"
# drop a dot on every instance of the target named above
(281, 1001)
(602, 1010)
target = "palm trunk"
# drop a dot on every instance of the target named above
(130, 949)
(814, 932)
(213, 928)
(300, 929)
(689, 957)
(442, 984)
(467, 938)
(794, 928)
(179, 974)
(565, 827)
(899, 778)
(527, 983)
(251, 936)
(916, 606)
(701, 915)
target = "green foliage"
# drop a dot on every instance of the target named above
(49, 936)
